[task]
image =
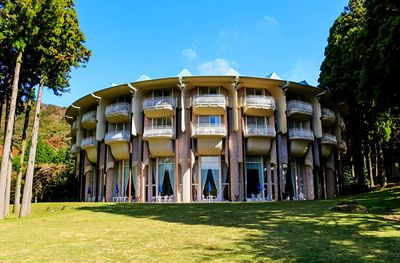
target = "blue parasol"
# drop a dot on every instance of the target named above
(160, 188)
(116, 188)
(209, 187)
(89, 191)
(259, 187)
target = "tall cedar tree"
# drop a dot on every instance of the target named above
(61, 47)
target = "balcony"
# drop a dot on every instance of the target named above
(119, 143)
(118, 112)
(328, 117)
(259, 131)
(209, 130)
(209, 104)
(258, 139)
(89, 144)
(327, 142)
(74, 149)
(299, 140)
(328, 139)
(299, 110)
(159, 107)
(89, 120)
(158, 132)
(160, 140)
(258, 105)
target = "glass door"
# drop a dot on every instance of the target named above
(210, 178)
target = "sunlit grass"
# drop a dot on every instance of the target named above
(281, 231)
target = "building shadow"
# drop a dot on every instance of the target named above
(288, 231)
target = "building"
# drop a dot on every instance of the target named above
(207, 138)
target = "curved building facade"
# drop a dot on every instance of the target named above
(207, 138)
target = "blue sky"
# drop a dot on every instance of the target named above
(160, 38)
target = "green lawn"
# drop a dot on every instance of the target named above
(305, 231)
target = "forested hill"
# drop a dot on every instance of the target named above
(53, 127)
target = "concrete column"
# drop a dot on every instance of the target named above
(109, 184)
(309, 183)
(234, 165)
(88, 183)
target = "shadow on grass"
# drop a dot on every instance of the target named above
(289, 231)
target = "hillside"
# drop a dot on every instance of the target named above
(53, 127)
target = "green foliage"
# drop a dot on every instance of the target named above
(361, 68)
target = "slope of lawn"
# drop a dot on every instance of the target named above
(305, 231)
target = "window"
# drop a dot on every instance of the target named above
(208, 90)
(159, 122)
(122, 99)
(162, 93)
(296, 124)
(209, 120)
(122, 126)
(256, 121)
(254, 92)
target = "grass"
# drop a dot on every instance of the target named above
(306, 231)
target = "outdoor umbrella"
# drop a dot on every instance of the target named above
(89, 191)
(209, 187)
(116, 189)
(160, 188)
(259, 188)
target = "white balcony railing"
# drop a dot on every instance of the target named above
(328, 113)
(256, 130)
(209, 99)
(299, 105)
(159, 131)
(89, 116)
(302, 134)
(208, 129)
(328, 139)
(114, 136)
(152, 103)
(118, 107)
(259, 101)
(88, 141)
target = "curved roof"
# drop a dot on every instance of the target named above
(88, 101)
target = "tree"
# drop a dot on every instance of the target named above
(61, 46)
(361, 68)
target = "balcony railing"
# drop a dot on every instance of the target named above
(328, 139)
(115, 136)
(152, 103)
(328, 117)
(255, 130)
(302, 134)
(159, 131)
(118, 107)
(259, 101)
(89, 116)
(208, 129)
(298, 105)
(88, 142)
(209, 99)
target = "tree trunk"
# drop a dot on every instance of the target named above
(8, 188)
(8, 135)
(381, 167)
(6, 118)
(27, 196)
(17, 195)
